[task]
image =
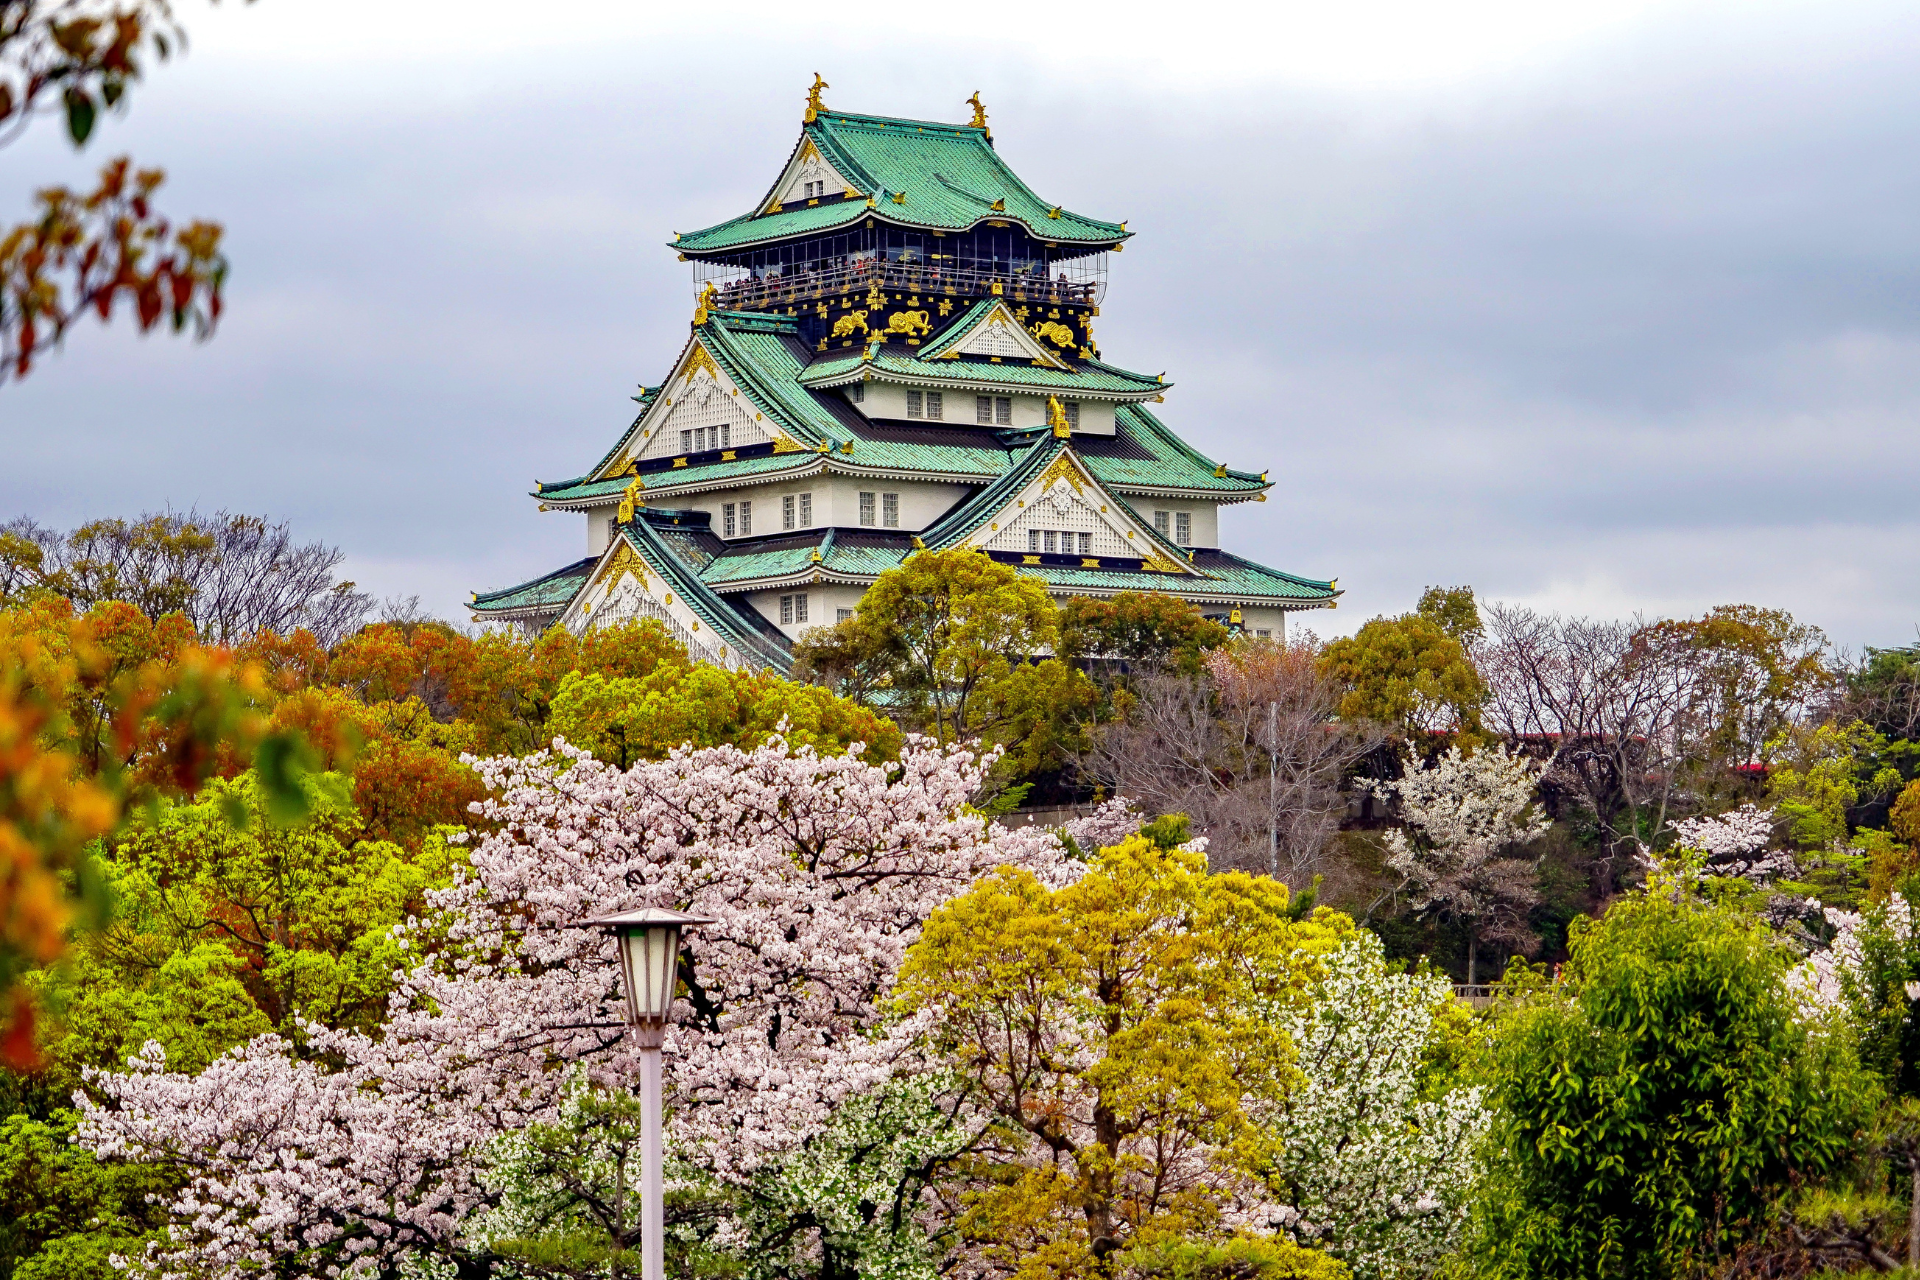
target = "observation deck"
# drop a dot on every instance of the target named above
(743, 292)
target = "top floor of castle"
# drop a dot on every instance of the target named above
(918, 207)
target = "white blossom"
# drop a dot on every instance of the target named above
(1365, 1167)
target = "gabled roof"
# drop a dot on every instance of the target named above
(982, 314)
(692, 611)
(763, 355)
(1048, 460)
(908, 173)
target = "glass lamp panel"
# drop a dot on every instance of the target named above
(650, 956)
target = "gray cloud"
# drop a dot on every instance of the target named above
(1636, 329)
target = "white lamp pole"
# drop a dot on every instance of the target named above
(649, 967)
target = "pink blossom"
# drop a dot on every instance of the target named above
(818, 873)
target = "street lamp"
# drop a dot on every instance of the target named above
(649, 966)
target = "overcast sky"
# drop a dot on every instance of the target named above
(1606, 308)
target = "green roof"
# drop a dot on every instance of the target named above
(549, 591)
(950, 175)
(856, 552)
(764, 356)
(1088, 377)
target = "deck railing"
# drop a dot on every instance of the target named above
(929, 278)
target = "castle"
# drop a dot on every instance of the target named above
(893, 350)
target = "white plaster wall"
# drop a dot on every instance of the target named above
(599, 528)
(1273, 621)
(823, 600)
(1206, 517)
(889, 400)
(836, 502)
(920, 504)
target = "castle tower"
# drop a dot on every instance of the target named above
(893, 350)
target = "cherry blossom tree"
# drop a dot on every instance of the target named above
(1468, 813)
(344, 1152)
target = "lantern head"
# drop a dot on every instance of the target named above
(649, 958)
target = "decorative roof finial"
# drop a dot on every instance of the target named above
(707, 295)
(1057, 418)
(629, 499)
(979, 114)
(814, 105)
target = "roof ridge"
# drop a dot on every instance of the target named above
(862, 117)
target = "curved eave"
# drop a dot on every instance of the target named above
(1257, 492)
(858, 209)
(931, 378)
(522, 613)
(807, 576)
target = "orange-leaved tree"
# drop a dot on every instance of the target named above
(96, 717)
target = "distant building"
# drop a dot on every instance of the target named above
(893, 350)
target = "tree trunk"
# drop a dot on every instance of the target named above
(1913, 1219)
(1273, 790)
(1473, 952)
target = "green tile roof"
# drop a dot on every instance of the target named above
(1145, 454)
(857, 552)
(1088, 377)
(549, 591)
(763, 355)
(950, 175)
(1254, 582)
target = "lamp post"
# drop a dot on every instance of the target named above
(649, 967)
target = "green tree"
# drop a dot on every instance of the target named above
(622, 719)
(1655, 1102)
(952, 643)
(1407, 673)
(63, 1214)
(1454, 611)
(1119, 1031)
(1140, 629)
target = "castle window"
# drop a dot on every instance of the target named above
(1046, 540)
(1003, 411)
(1263, 634)
(726, 435)
(1183, 528)
(983, 409)
(913, 404)
(726, 518)
(686, 441)
(1072, 408)
(842, 615)
(866, 508)
(786, 512)
(857, 393)
(1161, 523)
(933, 404)
(890, 510)
(1086, 544)
(806, 511)
(1033, 539)
(786, 611)
(746, 519)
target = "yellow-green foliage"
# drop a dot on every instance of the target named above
(1817, 779)
(1242, 1258)
(222, 933)
(1118, 1028)
(624, 719)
